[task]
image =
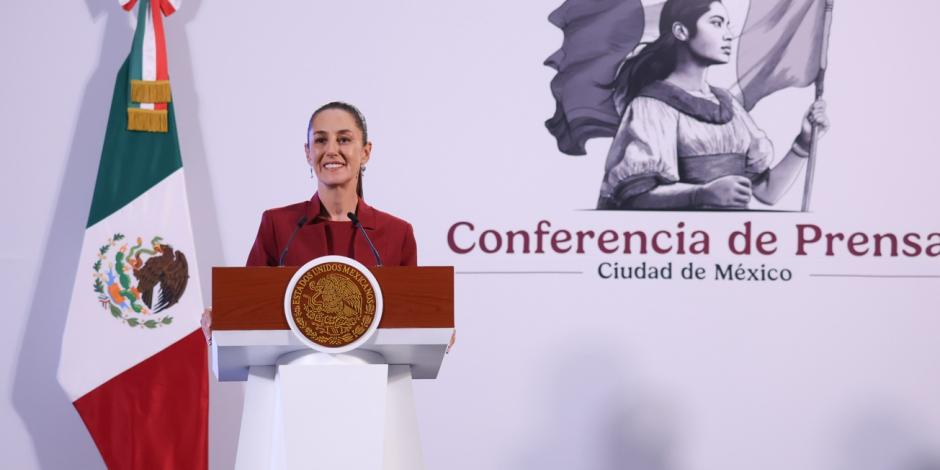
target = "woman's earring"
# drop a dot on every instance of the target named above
(311, 172)
(362, 169)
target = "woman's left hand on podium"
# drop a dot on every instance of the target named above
(453, 339)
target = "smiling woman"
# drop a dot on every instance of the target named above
(335, 118)
(337, 150)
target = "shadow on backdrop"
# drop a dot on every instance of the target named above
(598, 417)
(225, 399)
(58, 435)
(59, 438)
(882, 437)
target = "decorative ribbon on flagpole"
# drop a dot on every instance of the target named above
(820, 85)
(149, 91)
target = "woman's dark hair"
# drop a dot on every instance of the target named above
(658, 59)
(360, 123)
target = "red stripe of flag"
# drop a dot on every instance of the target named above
(155, 414)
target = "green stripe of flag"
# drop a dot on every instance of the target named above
(131, 162)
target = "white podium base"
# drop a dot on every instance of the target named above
(322, 411)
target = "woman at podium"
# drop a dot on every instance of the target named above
(336, 220)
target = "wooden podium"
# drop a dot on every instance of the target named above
(301, 410)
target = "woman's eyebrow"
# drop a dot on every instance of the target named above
(716, 15)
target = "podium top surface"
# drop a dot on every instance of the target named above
(250, 328)
(253, 298)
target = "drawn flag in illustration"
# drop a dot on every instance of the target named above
(133, 357)
(781, 46)
(598, 35)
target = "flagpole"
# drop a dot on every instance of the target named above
(820, 83)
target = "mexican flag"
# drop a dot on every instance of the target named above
(133, 356)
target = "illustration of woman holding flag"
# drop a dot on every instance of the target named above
(679, 143)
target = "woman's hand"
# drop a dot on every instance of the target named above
(815, 115)
(727, 191)
(206, 323)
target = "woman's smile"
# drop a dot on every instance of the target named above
(333, 165)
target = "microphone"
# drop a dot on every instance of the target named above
(300, 223)
(355, 221)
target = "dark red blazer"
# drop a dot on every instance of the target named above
(393, 237)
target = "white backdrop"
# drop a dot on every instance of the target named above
(550, 370)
